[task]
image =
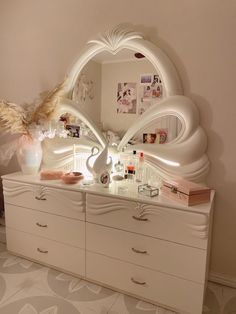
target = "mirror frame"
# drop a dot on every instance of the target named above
(184, 156)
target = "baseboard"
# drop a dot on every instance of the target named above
(222, 279)
(2, 234)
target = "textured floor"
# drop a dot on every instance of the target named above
(29, 288)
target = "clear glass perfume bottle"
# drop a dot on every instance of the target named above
(140, 171)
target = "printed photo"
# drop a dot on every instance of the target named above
(157, 91)
(143, 106)
(126, 98)
(161, 136)
(146, 78)
(149, 138)
(74, 130)
(147, 91)
(156, 80)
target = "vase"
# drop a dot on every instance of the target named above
(29, 155)
(100, 164)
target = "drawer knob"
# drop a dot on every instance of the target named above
(42, 251)
(40, 198)
(140, 218)
(138, 251)
(40, 225)
(142, 283)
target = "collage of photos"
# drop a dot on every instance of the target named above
(150, 89)
(131, 102)
(159, 137)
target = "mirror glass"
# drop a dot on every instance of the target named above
(115, 90)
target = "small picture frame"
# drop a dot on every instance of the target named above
(146, 78)
(73, 130)
(104, 179)
(149, 138)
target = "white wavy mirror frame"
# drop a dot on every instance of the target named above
(185, 155)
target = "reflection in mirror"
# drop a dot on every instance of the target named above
(114, 90)
(133, 100)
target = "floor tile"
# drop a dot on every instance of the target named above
(128, 305)
(35, 301)
(85, 296)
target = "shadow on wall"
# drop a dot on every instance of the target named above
(11, 167)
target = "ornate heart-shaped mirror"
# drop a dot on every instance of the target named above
(125, 92)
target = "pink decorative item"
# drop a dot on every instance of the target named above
(51, 174)
(186, 192)
(29, 154)
(72, 177)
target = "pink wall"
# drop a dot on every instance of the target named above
(39, 40)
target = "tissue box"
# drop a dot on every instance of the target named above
(186, 192)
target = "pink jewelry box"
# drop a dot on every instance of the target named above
(186, 192)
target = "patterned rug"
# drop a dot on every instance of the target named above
(30, 288)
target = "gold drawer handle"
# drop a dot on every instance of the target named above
(40, 225)
(42, 251)
(140, 218)
(142, 283)
(138, 251)
(40, 198)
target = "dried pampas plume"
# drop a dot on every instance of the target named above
(47, 109)
(17, 119)
(13, 117)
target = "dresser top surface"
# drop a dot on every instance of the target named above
(116, 189)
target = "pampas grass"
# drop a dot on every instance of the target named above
(16, 118)
(13, 118)
(47, 109)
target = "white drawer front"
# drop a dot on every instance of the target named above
(182, 295)
(164, 223)
(57, 201)
(46, 251)
(62, 229)
(164, 256)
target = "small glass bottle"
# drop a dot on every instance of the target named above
(140, 168)
(119, 168)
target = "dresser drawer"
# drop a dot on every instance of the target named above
(47, 251)
(182, 295)
(172, 258)
(48, 199)
(165, 223)
(58, 228)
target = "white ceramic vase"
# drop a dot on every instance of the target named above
(29, 155)
(100, 165)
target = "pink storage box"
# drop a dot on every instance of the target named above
(186, 192)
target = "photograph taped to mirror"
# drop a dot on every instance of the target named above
(149, 138)
(126, 98)
(73, 130)
(161, 136)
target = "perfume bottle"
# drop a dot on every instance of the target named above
(119, 167)
(140, 172)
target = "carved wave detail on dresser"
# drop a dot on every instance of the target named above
(76, 204)
(17, 190)
(100, 206)
(106, 207)
(44, 193)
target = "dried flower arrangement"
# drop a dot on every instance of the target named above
(17, 119)
(26, 119)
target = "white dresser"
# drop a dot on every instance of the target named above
(151, 248)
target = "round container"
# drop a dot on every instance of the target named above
(72, 177)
